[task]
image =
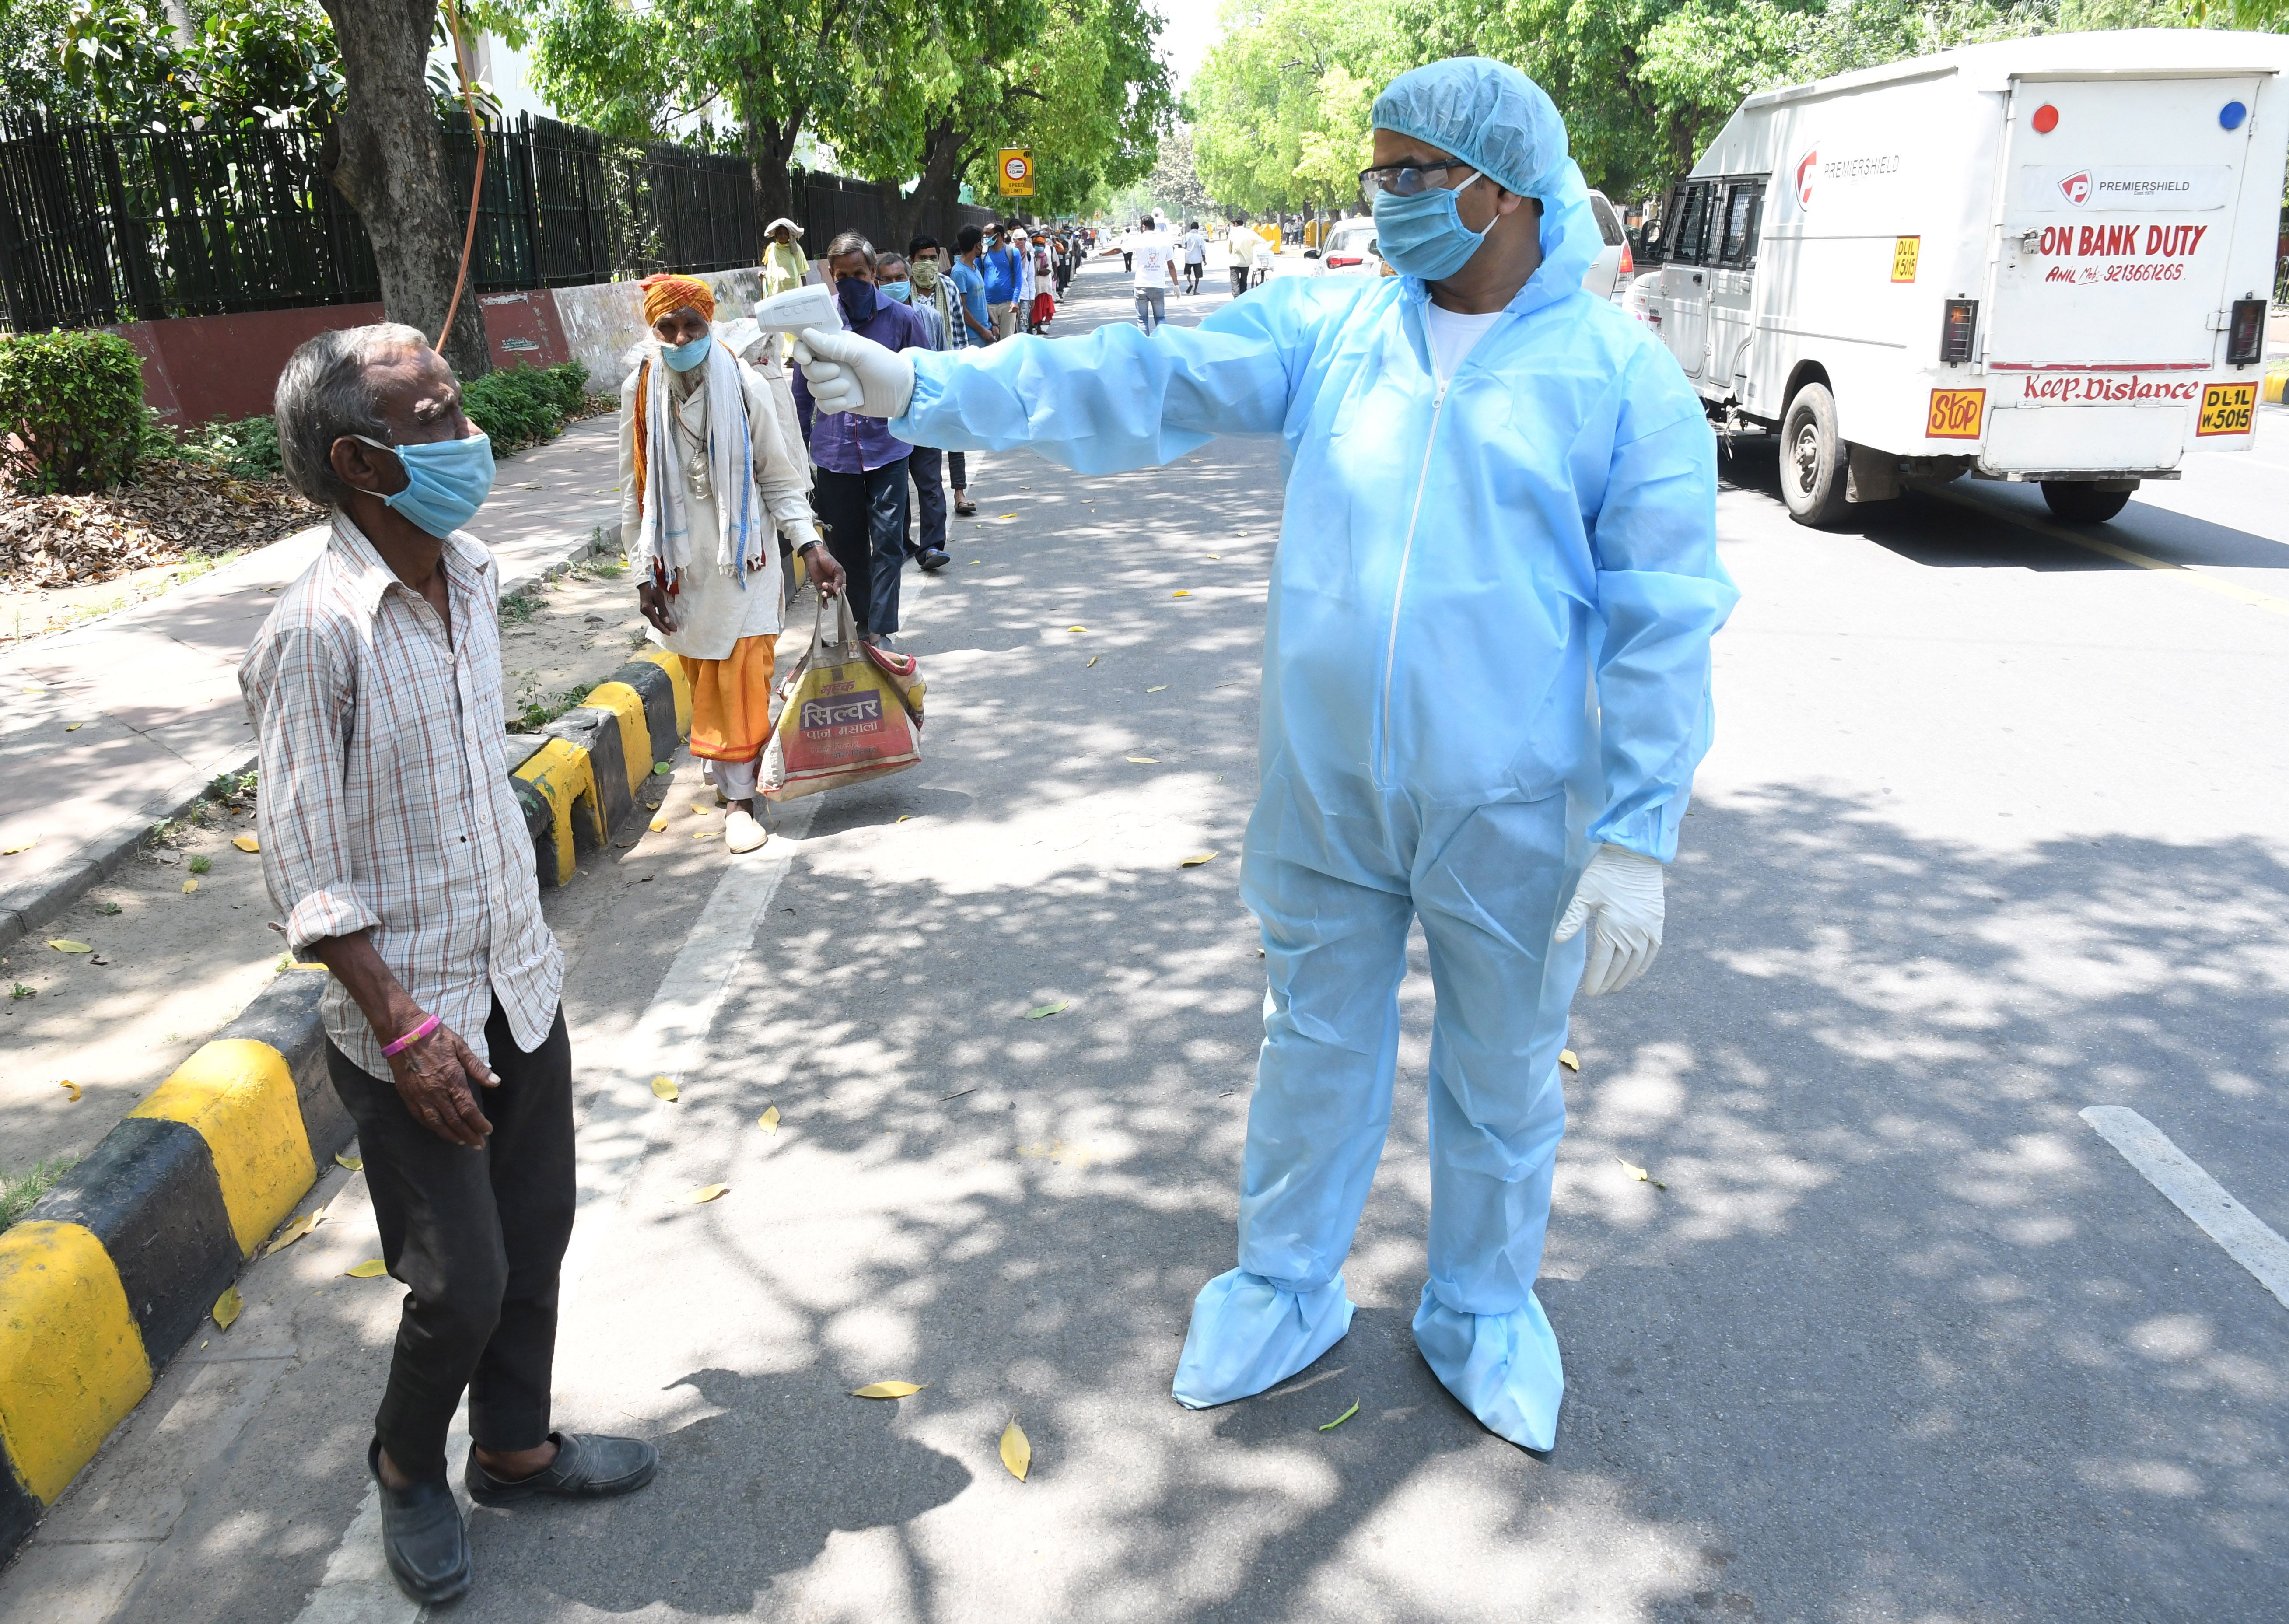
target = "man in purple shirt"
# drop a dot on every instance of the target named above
(861, 497)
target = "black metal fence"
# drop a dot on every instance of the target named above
(99, 226)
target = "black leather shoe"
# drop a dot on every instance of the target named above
(588, 1466)
(423, 1537)
(934, 560)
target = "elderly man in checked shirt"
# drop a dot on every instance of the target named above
(394, 844)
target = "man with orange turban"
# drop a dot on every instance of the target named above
(711, 469)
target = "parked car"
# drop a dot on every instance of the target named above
(1609, 273)
(2040, 260)
(1350, 250)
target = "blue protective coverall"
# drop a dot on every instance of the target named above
(1486, 649)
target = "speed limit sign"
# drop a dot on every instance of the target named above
(1017, 171)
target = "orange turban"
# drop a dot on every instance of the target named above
(664, 295)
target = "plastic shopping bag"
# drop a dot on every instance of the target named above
(849, 711)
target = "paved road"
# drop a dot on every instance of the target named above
(1991, 834)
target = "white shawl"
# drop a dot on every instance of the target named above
(742, 528)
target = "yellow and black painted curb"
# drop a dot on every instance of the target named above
(112, 1270)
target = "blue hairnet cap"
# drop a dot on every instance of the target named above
(1484, 111)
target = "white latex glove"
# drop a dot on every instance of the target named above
(849, 373)
(1623, 888)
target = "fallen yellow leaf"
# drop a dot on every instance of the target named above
(1076, 628)
(34, 688)
(705, 834)
(704, 1193)
(1005, 515)
(295, 1230)
(189, 886)
(1016, 1450)
(887, 1389)
(1570, 1060)
(1340, 1419)
(1180, 595)
(228, 1306)
(355, 1164)
(1640, 1175)
(657, 825)
(1214, 558)
(65, 944)
(1048, 1009)
(1146, 761)
(906, 816)
(664, 1085)
(73, 727)
(70, 1088)
(1161, 690)
(372, 1269)
(1092, 660)
(247, 842)
(1205, 857)
(10, 851)
(770, 1120)
(703, 807)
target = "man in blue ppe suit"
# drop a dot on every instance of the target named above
(1485, 688)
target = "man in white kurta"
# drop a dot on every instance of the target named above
(701, 529)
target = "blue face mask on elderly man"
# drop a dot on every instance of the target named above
(446, 481)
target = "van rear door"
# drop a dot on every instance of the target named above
(2119, 200)
(1685, 279)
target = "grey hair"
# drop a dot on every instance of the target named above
(851, 242)
(324, 393)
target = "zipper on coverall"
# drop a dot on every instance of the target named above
(1390, 651)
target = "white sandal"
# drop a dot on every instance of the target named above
(742, 832)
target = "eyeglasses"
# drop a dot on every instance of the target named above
(1406, 180)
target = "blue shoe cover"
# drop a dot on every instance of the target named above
(1248, 1334)
(1503, 1367)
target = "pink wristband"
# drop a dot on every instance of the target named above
(392, 1050)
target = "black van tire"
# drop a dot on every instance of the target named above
(1812, 461)
(2080, 502)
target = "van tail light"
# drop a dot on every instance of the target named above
(1628, 265)
(2245, 333)
(1958, 331)
(1335, 259)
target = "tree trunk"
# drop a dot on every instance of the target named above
(771, 149)
(942, 146)
(388, 162)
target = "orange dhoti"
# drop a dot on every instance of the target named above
(731, 712)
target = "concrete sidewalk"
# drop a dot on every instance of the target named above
(113, 726)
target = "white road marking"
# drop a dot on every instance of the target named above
(620, 1119)
(2246, 1238)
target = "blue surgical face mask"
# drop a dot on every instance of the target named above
(446, 482)
(683, 357)
(1423, 235)
(897, 292)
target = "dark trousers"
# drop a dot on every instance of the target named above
(1192, 269)
(1238, 280)
(930, 495)
(957, 470)
(865, 520)
(476, 1237)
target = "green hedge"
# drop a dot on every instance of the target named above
(74, 403)
(526, 406)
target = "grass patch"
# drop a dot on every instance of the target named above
(539, 710)
(202, 864)
(520, 608)
(19, 1190)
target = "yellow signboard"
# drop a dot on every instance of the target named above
(2227, 409)
(1905, 252)
(1017, 171)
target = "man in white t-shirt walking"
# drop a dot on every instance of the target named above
(1156, 274)
(1196, 256)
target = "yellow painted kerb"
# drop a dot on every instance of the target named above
(72, 1363)
(564, 777)
(240, 1096)
(636, 733)
(678, 679)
